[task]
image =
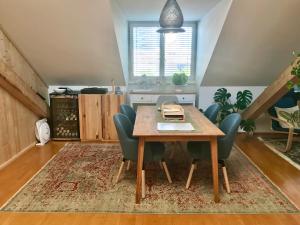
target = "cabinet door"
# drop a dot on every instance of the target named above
(110, 106)
(90, 117)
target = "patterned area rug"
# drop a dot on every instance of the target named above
(278, 146)
(80, 178)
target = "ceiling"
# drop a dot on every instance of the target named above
(256, 43)
(141, 10)
(68, 42)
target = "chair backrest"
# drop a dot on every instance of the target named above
(128, 111)
(167, 99)
(212, 112)
(128, 143)
(230, 127)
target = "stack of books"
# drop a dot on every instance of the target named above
(172, 112)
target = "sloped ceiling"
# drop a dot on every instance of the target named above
(255, 44)
(69, 42)
(145, 10)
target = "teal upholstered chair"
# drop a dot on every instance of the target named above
(201, 150)
(128, 111)
(154, 152)
(167, 99)
(212, 112)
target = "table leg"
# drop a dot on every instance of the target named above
(139, 170)
(214, 160)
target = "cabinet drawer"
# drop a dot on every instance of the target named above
(186, 98)
(141, 99)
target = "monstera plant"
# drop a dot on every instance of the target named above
(243, 100)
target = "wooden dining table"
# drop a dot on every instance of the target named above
(145, 129)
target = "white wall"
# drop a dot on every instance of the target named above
(209, 29)
(121, 30)
(206, 94)
(206, 98)
(256, 43)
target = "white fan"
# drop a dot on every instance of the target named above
(42, 131)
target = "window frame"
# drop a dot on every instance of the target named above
(132, 24)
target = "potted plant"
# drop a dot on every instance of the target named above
(180, 78)
(295, 71)
(243, 100)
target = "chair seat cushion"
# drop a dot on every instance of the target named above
(201, 150)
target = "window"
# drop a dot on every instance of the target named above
(161, 55)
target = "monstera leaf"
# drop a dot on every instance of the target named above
(248, 126)
(222, 96)
(244, 99)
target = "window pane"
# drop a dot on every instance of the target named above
(146, 51)
(178, 52)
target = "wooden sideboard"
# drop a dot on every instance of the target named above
(150, 99)
(96, 116)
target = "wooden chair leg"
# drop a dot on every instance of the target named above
(128, 165)
(188, 183)
(225, 177)
(143, 184)
(290, 140)
(166, 171)
(120, 171)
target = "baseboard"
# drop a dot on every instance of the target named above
(5, 164)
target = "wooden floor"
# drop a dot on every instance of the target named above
(280, 172)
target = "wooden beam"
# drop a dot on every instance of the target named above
(271, 94)
(16, 87)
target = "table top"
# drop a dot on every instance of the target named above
(146, 124)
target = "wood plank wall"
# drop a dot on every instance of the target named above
(16, 121)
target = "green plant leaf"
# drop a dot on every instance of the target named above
(180, 78)
(222, 96)
(248, 125)
(244, 99)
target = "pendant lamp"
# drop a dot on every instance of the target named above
(171, 18)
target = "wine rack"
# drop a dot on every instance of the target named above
(64, 117)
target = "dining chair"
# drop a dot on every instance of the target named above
(212, 112)
(166, 99)
(128, 111)
(201, 150)
(154, 151)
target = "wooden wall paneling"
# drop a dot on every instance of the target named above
(17, 126)
(110, 106)
(20, 106)
(90, 117)
(12, 57)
